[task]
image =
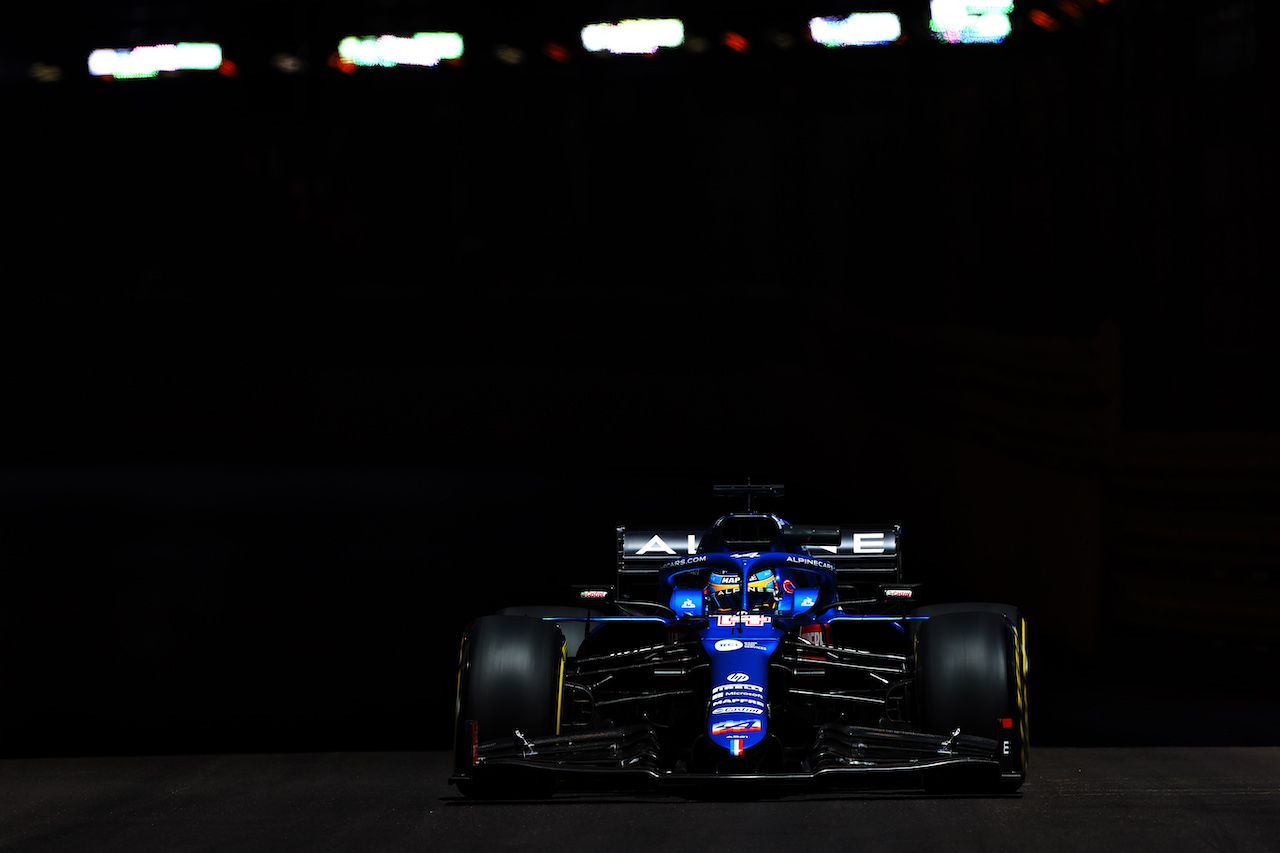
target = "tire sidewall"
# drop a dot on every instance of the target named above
(510, 671)
(970, 669)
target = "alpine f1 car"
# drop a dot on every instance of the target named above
(753, 655)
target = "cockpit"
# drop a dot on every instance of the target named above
(723, 591)
(717, 586)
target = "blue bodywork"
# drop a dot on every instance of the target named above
(774, 588)
(753, 650)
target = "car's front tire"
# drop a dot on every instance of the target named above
(510, 672)
(970, 669)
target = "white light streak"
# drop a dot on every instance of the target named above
(970, 23)
(388, 51)
(642, 35)
(150, 60)
(857, 30)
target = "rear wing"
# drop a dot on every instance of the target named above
(867, 554)
(642, 552)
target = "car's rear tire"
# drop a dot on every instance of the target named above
(970, 669)
(510, 672)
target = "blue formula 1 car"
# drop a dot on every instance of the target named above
(755, 655)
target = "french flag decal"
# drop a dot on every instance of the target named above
(735, 747)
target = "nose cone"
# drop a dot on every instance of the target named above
(737, 717)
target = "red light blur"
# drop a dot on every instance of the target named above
(336, 61)
(1071, 8)
(1043, 20)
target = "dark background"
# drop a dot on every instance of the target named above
(304, 371)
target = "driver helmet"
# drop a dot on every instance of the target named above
(763, 591)
(723, 590)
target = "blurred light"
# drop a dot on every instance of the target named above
(957, 21)
(346, 66)
(643, 35)
(42, 73)
(555, 51)
(1043, 20)
(148, 61)
(387, 51)
(1071, 8)
(287, 63)
(733, 41)
(508, 54)
(859, 29)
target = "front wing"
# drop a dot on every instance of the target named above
(628, 759)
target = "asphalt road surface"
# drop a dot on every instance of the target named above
(1157, 799)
